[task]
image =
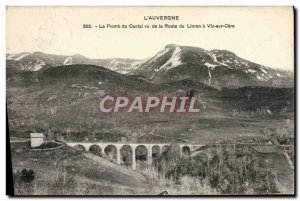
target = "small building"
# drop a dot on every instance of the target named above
(36, 139)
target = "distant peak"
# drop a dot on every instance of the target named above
(78, 55)
(37, 52)
(171, 46)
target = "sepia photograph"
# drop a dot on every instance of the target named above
(150, 101)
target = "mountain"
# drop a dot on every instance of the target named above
(217, 68)
(40, 61)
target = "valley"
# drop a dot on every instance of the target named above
(240, 103)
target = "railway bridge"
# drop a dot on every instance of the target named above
(150, 148)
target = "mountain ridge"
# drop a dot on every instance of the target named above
(38, 60)
(216, 68)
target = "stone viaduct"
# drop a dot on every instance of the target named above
(84, 146)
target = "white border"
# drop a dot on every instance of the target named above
(4, 3)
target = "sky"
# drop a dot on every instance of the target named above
(263, 35)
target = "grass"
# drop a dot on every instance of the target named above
(66, 168)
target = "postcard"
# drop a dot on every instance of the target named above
(150, 101)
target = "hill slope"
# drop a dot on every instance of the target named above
(96, 177)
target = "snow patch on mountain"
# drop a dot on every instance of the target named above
(209, 65)
(21, 56)
(123, 72)
(68, 61)
(279, 75)
(262, 77)
(265, 77)
(263, 70)
(123, 66)
(17, 57)
(214, 58)
(174, 61)
(209, 76)
(158, 55)
(251, 71)
(10, 56)
(38, 66)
